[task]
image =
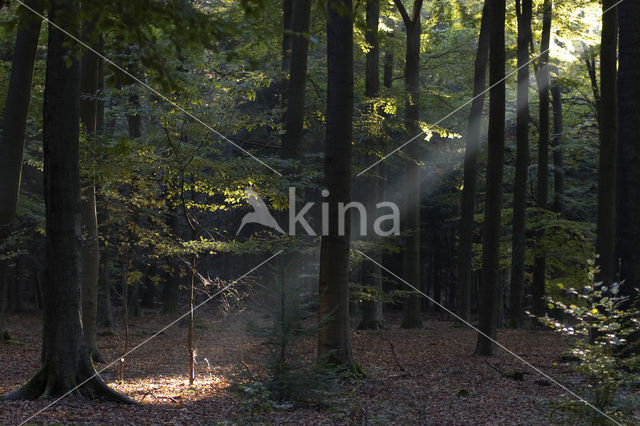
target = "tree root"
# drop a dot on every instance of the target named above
(44, 384)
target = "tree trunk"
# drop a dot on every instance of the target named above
(608, 140)
(294, 131)
(538, 304)
(387, 80)
(412, 315)
(334, 339)
(14, 124)
(89, 254)
(628, 211)
(488, 307)
(558, 158)
(372, 309)
(516, 313)
(465, 250)
(65, 360)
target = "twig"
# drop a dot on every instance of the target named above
(393, 352)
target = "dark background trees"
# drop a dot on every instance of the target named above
(160, 194)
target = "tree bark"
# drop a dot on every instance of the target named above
(488, 306)
(412, 314)
(372, 309)
(387, 80)
(524, 14)
(628, 184)
(89, 254)
(465, 250)
(334, 339)
(558, 157)
(538, 305)
(294, 131)
(14, 125)
(65, 360)
(608, 140)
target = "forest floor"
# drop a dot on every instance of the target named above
(426, 376)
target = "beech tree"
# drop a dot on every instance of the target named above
(371, 309)
(608, 134)
(14, 123)
(628, 157)
(66, 362)
(543, 79)
(334, 338)
(524, 12)
(89, 253)
(468, 204)
(412, 315)
(299, 40)
(493, 202)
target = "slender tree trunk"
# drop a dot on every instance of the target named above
(524, 14)
(591, 70)
(538, 304)
(605, 243)
(558, 157)
(628, 184)
(294, 131)
(489, 292)
(412, 314)
(65, 359)
(371, 309)
(387, 80)
(14, 124)
(104, 314)
(89, 254)
(335, 338)
(468, 204)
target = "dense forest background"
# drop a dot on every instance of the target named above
(137, 136)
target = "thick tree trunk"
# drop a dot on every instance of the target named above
(334, 338)
(489, 293)
(468, 204)
(516, 313)
(371, 309)
(412, 314)
(89, 254)
(14, 124)
(628, 210)
(605, 243)
(543, 79)
(65, 360)
(558, 157)
(294, 131)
